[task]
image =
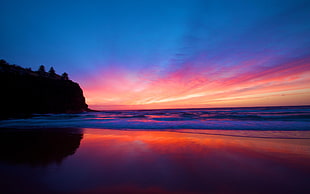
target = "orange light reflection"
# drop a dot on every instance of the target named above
(184, 161)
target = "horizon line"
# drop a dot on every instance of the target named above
(233, 107)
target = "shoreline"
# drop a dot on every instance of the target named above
(127, 161)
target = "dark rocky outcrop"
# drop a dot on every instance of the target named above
(24, 92)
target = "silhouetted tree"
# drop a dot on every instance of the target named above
(42, 68)
(52, 71)
(65, 76)
(3, 62)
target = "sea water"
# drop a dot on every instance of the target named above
(224, 150)
(258, 118)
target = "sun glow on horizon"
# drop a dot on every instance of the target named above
(283, 84)
(261, 60)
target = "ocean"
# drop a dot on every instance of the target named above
(256, 118)
(211, 150)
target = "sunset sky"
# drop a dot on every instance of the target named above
(136, 54)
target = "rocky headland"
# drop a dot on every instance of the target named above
(25, 92)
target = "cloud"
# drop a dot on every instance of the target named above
(223, 57)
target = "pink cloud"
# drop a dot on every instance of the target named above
(192, 85)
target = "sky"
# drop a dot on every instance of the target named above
(149, 54)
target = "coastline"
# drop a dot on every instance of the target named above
(106, 160)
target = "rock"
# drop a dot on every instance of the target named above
(25, 92)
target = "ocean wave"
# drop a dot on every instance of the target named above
(278, 118)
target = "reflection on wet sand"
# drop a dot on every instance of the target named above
(116, 161)
(38, 147)
(174, 162)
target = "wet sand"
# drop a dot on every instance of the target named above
(184, 161)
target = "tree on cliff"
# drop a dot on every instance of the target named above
(3, 62)
(65, 76)
(41, 69)
(52, 72)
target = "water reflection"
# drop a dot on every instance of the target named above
(38, 147)
(172, 162)
(118, 161)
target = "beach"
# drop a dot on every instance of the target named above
(155, 97)
(89, 160)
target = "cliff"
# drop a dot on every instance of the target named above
(24, 92)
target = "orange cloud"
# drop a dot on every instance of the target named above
(247, 84)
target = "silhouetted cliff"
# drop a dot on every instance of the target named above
(24, 92)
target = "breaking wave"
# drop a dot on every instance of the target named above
(258, 118)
